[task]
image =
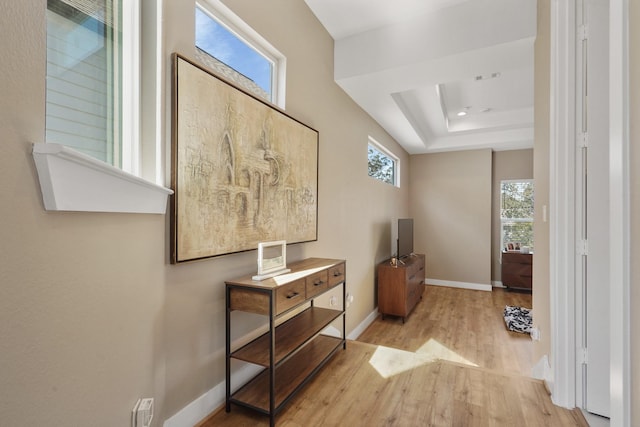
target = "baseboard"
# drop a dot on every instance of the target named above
(213, 399)
(497, 284)
(542, 371)
(363, 325)
(461, 285)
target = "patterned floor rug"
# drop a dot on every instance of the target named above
(518, 319)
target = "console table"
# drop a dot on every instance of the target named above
(400, 286)
(292, 350)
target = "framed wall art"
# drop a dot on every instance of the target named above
(243, 171)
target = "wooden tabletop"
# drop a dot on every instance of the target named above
(299, 269)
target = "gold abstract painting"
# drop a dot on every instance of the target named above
(243, 172)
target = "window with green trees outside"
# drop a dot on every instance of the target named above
(516, 212)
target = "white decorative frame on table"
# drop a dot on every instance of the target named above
(270, 267)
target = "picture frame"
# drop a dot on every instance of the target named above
(272, 259)
(512, 247)
(243, 171)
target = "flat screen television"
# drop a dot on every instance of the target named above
(405, 237)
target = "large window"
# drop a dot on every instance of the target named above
(516, 212)
(88, 72)
(383, 165)
(241, 56)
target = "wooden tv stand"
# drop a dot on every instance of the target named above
(400, 287)
(293, 349)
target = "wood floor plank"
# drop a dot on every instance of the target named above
(394, 378)
(468, 323)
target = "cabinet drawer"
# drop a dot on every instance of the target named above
(290, 295)
(412, 270)
(336, 275)
(317, 283)
(516, 258)
(249, 301)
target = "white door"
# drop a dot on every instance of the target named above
(594, 159)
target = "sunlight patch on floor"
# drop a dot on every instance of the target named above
(435, 350)
(390, 361)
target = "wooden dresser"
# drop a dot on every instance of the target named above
(400, 287)
(517, 270)
(294, 348)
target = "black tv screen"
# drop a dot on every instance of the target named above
(405, 237)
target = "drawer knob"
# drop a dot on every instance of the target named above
(318, 283)
(293, 295)
(337, 273)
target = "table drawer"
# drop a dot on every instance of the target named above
(336, 275)
(317, 283)
(290, 295)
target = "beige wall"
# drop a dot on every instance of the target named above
(91, 315)
(541, 290)
(451, 205)
(634, 120)
(512, 164)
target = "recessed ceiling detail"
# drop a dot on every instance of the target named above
(438, 74)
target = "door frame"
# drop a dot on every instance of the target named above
(562, 208)
(619, 208)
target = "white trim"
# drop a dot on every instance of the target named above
(460, 285)
(363, 325)
(73, 181)
(542, 371)
(131, 79)
(562, 203)
(497, 284)
(580, 224)
(619, 202)
(210, 401)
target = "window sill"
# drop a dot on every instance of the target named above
(73, 181)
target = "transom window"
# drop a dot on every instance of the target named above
(516, 213)
(383, 165)
(241, 56)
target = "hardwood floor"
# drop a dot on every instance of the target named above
(421, 373)
(465, 326)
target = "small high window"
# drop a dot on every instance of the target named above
(383, 165)
(237, 53)
(516, 213)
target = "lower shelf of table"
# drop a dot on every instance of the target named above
(289, 376)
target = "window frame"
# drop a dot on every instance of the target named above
(73, 181)
(385, 151)
(235, 25)
(124, 151)
(503, 219)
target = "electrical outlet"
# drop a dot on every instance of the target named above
(349, 299)
(142, 413)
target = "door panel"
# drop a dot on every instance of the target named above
(597, 209)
